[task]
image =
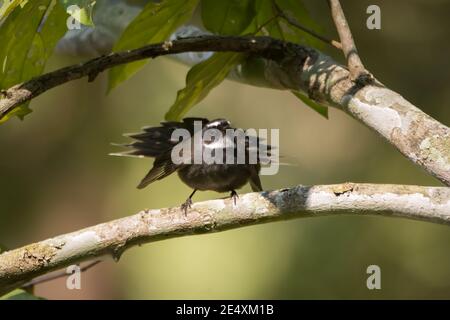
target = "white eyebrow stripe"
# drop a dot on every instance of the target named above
(217, 123)
(213, 124)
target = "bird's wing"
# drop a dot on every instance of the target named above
(157, 142)
(162, 167)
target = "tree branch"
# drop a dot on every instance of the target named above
(28, 90)
(19, 266)
(287, 66)
(354, 63)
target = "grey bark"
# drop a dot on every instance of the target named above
(19, 266)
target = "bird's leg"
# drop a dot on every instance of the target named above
(234, 196)
(187, 204)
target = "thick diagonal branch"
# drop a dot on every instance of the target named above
(19, 266)
(286, 66)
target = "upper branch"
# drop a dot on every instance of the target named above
(21, 265)
(28, 90)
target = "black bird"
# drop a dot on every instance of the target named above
(157, 142)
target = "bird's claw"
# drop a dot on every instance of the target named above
(234, 196)
(186, 205)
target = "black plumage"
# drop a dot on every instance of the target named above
(157, 142)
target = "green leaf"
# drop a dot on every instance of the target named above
(155, 23)
(200, 80)
(19, 111)
(8, 6)
(80, 10)
(265, 11)
(29, 35)
(279, 28)
(323, 110)
(229, 17)
(296, 10)
(20, 294)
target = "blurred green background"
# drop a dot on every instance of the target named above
(57, 177)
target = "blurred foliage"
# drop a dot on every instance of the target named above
(323, 110)
(200, 79)
(56, 177)
(227, 17)
(155, 23)
(235, 18)
(6, 6)
(19, 294)
(28, 35)
(80, 10)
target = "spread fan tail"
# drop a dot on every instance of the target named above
(156, 141)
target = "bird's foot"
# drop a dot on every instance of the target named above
(234, 196)
(186, 205)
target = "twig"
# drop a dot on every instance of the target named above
(274, 17)
(296, 24)
(355, 65)
(57, 275)
(19, 266)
